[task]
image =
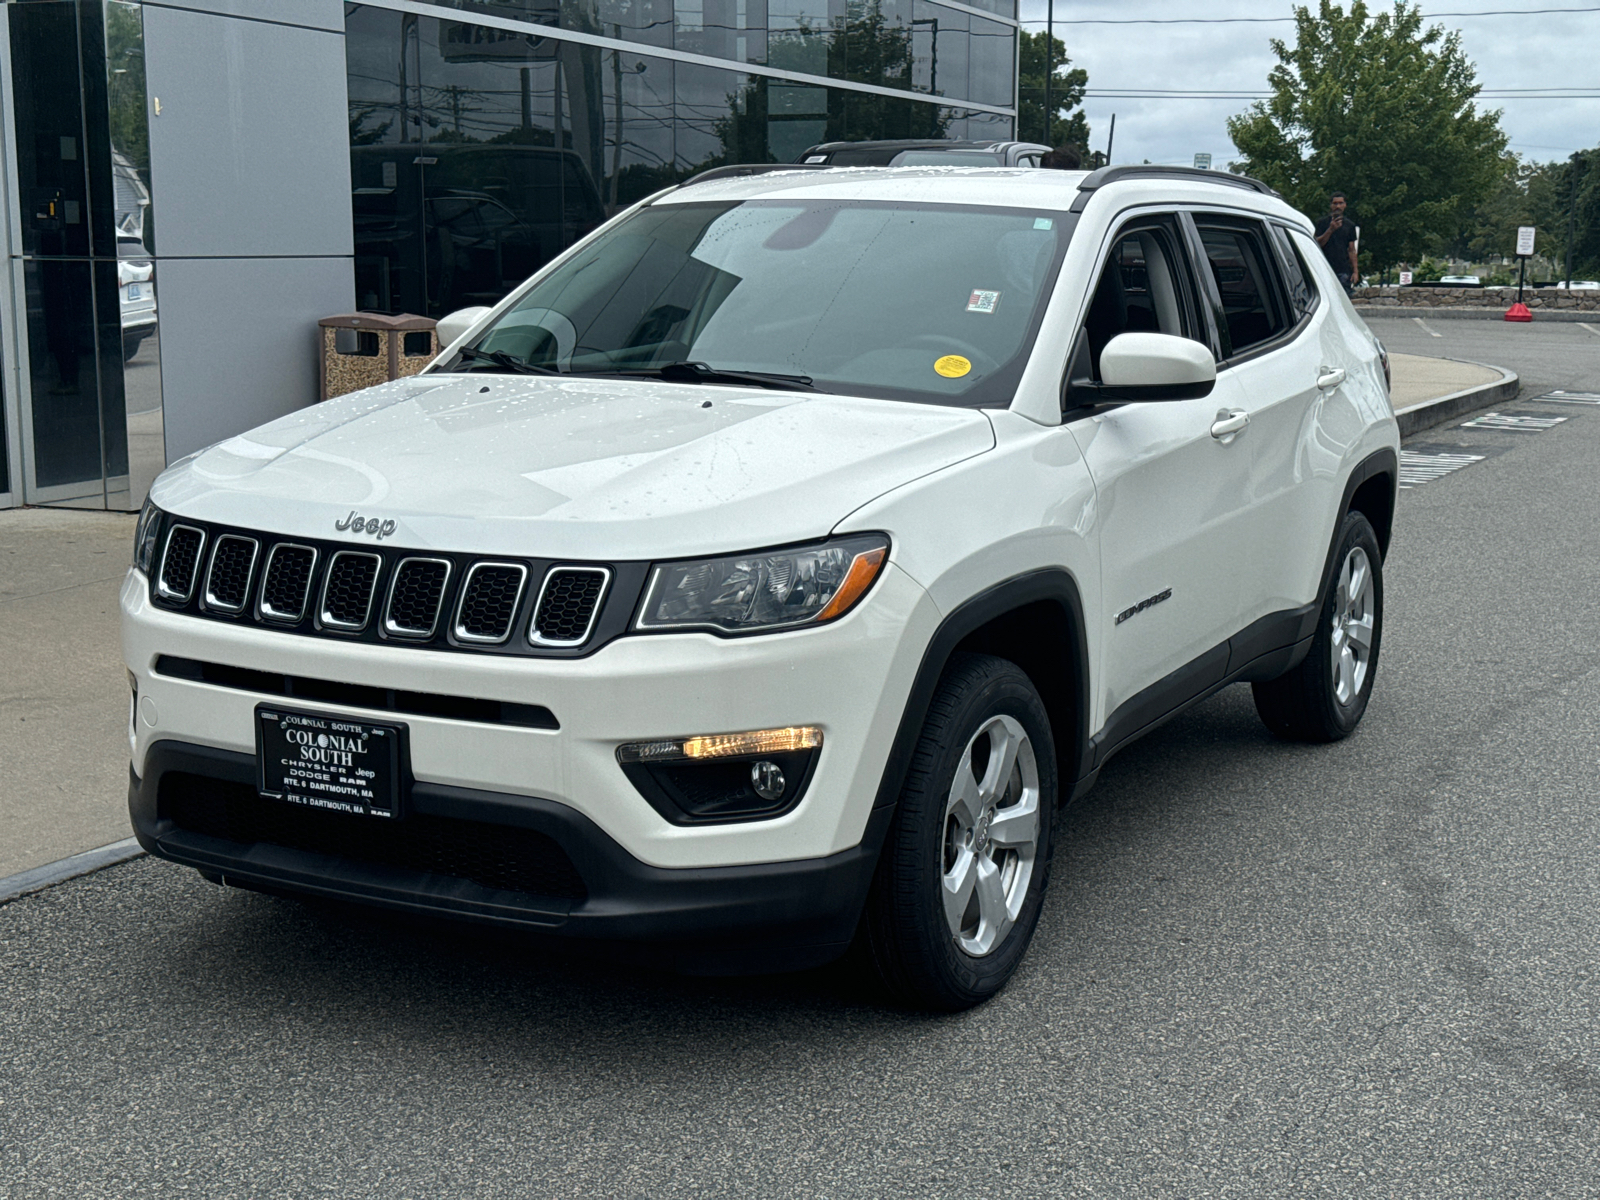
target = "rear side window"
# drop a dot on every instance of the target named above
(1243, 270)
(1296, 279)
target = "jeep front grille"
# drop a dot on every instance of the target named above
(568, 604)
(347, 590)
(489, 600)
(228, 578)
(415, 594)
(180, 563)
(417, 597)
(286, 582)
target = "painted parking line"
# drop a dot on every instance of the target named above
(1560, 397)
(1512, 421)
(1418, 467)
(1589, 327)
(1425, 328)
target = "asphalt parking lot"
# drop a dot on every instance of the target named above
(1263, 970)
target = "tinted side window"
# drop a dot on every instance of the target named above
(1242, 268)
(1297, 280)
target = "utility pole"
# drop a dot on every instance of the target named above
(1112, 140)
(1572, 213)
(1049, 67)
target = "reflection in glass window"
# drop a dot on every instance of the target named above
(939, 50)
(842, 293)
(798, 35)
(478, 154)
(993, 58)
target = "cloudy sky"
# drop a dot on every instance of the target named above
(1519, 51)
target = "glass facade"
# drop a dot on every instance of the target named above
(478, 152)
(87, 279)
(485, 137)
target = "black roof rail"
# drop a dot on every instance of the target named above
(736, 170)
(1099, 179)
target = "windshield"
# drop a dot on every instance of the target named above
(930, 303)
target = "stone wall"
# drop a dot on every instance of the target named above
(1497, 298)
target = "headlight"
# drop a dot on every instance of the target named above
(145, 535)
(765, 589)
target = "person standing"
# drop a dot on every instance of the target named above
(1336, 234)
(1062, 158)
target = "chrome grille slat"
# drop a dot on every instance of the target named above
(416, 595)
(569, 603)
(233, 563)
(180, 563)
(286, 582)
(489, 598)
(347, 590)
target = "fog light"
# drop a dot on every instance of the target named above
(723, 777)
(766, 780)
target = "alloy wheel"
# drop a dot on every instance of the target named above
(1353, 626)
(991, 835)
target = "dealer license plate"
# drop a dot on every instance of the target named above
(329, 762)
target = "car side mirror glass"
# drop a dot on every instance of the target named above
(1155, 366)
(457, 323)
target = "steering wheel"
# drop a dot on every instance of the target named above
(981, 361)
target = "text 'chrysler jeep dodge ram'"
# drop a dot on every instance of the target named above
(762, 576)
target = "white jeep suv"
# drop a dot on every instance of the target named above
(762, 576)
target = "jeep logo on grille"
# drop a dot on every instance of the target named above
(370, 526)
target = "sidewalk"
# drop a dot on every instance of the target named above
(1429, 391)
(64, 692)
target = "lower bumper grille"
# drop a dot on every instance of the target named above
(502, 857)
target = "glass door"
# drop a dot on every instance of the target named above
(84, 275)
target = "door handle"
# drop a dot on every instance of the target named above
(1229, 424)
(1330, 377)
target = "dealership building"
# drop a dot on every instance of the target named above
(188, 186)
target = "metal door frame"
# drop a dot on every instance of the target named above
(13, 347)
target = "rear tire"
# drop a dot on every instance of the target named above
(1323, 699)
(962, 876)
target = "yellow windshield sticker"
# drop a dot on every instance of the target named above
(952, 366)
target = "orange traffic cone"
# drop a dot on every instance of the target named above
(1518, 312)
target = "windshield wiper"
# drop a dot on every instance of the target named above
(699, 372)
(506, 362)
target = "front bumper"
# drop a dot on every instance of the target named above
(850, 678)
(772, 916)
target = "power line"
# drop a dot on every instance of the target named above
(1274, 20)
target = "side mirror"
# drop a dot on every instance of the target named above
(1155, 366)
(457, 323)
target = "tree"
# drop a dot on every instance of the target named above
(1526, 194)
(1381, 109)
(1067, 84)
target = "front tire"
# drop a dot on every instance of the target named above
(1323, 699)
(962, 877)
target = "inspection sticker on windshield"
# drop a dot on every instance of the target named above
(984, 302)
(952, 366)
(1043, 223)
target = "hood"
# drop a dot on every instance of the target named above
(570, 468)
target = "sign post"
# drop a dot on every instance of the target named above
(1525, 235)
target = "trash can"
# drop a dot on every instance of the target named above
(363, 349)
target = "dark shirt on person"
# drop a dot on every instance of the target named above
(1337, 247)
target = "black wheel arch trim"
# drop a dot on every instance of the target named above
(1048, 585)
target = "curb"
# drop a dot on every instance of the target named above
(1400, 312)
(1441, 408)
(27, 882)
